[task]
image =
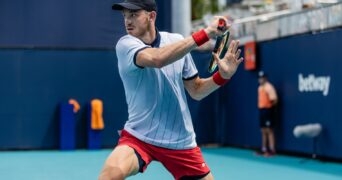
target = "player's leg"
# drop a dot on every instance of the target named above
(271, 140)
(264, 137)
(121, 163)
(270, 132)
(128, 158)
(187, 164)
(263, 131)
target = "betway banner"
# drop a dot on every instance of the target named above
(306, 71)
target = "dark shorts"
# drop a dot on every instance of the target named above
(266, 118)
(182, 164)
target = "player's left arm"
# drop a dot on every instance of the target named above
(199, 88)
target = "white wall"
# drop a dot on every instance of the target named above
(181, 17)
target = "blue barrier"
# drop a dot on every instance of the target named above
(67, 127)
(94, 136)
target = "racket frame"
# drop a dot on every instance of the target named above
(221, 47)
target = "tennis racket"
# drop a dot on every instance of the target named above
(221, 45)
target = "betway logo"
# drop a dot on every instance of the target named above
(314, 84)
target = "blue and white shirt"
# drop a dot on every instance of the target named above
(158, 112)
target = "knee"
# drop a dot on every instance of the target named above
(111, 173)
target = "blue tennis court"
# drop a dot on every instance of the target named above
(226, 163)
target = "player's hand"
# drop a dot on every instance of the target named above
(230, 62)
(212, 29)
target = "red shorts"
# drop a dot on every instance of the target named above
(180, 163)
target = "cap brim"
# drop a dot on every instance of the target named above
(121, 6)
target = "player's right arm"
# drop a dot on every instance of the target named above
(159, 57)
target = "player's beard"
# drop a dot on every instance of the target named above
(145, 31)
(148, 26)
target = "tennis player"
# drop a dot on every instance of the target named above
(156, 68)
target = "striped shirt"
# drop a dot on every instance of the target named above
(158, 112)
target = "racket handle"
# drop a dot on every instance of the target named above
(222, 25)
(217, 43)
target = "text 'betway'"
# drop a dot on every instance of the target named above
(313, 83)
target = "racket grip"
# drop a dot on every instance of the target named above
(222, 25)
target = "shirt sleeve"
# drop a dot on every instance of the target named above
(126, 51)
(189, 71)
